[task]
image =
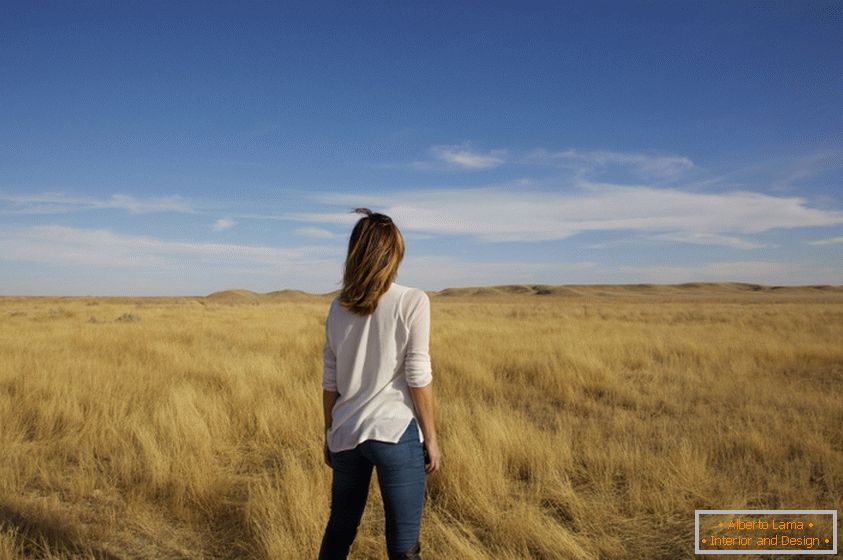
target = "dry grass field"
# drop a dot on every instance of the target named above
(577, 422)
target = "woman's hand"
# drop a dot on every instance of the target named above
(434, 457)
(327, 454)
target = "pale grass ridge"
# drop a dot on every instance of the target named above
(573, 428)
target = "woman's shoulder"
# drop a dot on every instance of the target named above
(413, 302)
(410, 293)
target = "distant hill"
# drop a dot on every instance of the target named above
(549, 290)
(248, 296)
(509, 290)
(235, 296)
(289, 295)
(737, 291)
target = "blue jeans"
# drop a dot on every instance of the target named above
(401, 477)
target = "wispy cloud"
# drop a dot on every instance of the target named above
(762, 272)
(648, 165)
(224, 223)
(105, 248)
(59, 203)
(437, 272)
(801, 168)
(782, 174)
(700, 238)
(497, 213)
(464, 157)
(830, 241)
(584, 163)
(318, 233)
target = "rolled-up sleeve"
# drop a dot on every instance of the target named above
(417, 368)
(329, 361)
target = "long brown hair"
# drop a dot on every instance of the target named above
(375, 249)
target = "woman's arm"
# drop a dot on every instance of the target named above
(329, 382)
(423, 402)
(419, 375)
(329, 399)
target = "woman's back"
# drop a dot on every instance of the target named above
(371, 361)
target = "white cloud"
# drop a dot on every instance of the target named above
(439, 272)
(173, 203)
(436, 272)
(463, 157)
(501, 214)
(648, 165)
(645, 165)
(830, 241)
(761, 272)
(61, 260)
(104, 248)
(318, 233)
(699, 238)
(58, 203)
(223, 224)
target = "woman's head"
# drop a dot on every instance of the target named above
(375, 249)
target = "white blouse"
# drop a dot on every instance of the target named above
(372, 362)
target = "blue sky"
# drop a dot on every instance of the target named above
(178, 148)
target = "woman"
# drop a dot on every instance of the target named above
(376, 392)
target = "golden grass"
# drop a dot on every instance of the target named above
(585, 426)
